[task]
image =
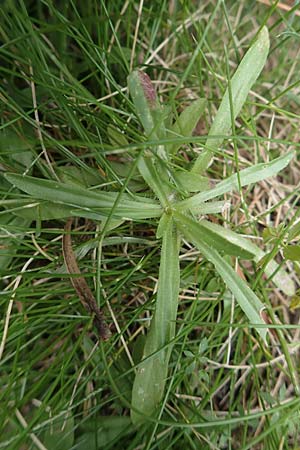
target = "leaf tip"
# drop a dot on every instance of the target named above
(264, 38)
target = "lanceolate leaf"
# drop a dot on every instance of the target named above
(216, 236)
(223, 239)
(146, 103)
(252, 174)
(246, 298)
(162, 225)
(151, 376)
(191, 182)
(128, 207)
(116, 137)
(211, 207)
(241, 83)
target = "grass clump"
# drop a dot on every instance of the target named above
(154, 167)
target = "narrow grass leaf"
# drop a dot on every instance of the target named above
(252, 174)
(242, 81)
(151, 376)
(246, 298)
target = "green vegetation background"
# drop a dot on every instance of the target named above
(64, 68)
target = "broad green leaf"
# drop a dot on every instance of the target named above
(123, 169)
(271, 234)
(243, 79)
(252, 174)
(151, 376)
(246, 298)
(44, 210)
(294, 231)
(79, 176)
(123, 375)
(295, 303)
(186, 122)
(93, 215)
(162, 225)
(211, 207)
(278, 275)
(116, 137)
(131, 207)
(101, 432)
(217, 237)
(191, 182)
(17, 146)
(292, 252)
(60, 433)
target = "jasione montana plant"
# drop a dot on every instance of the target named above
(180, 201)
